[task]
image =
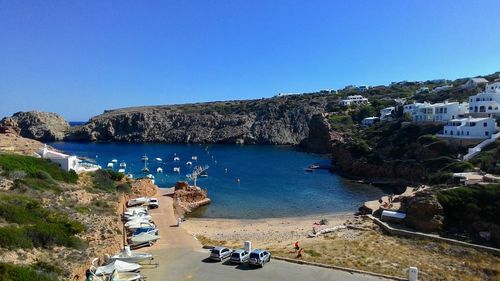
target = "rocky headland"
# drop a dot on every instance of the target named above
(282, 121)
(42, 126)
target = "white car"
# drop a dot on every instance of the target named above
(153, 203)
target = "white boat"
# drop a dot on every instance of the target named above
(177, 170)
(121, 170)
(189, 163)
(114, 276)
(138, 217)
(114, 161)
(144, 238)
(159, 170)
(120, 266)
(136, 221)
(176, 158)
(151, 177)
(144, 158)
(137, 201)
(194, 158)
(123, 164)
(110, 165)
(135, 224)
(158, 159)
(131, 256)
(130, 176)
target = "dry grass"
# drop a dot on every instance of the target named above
(374, 251)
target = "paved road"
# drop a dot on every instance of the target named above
(181, 257)
(186, 264)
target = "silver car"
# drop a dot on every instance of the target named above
(239, 256)
(220, 253)
(259, 257)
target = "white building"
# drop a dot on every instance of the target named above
(487, 102)
(422, 90)
(474, 83)
(67, 162)
(386, 113)
(409, 108)
(439, 112)
(442, 88)
(369, 121)
(355, 99)
(470, 128)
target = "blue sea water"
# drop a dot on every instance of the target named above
(272, 180)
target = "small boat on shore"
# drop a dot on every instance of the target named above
(143, 238)
(127, 255)
(121, 171)
(130, 176)
(114, 161)
(120, 266)
(137, 201)
(110, 165)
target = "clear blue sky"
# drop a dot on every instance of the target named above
(78, 58)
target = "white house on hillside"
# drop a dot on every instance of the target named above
(66, 162)
(487, 102)
(470, 128)
(439, 112)
(441, 88)
(409, 108)
(369, 121)
(474, 83)
(386, 113)
(355, 99)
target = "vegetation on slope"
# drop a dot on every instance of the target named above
(31, 225)
(9, 272)
(472, 209)
(391, 150)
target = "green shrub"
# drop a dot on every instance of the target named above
(469, 206)
(9, 272)
(124, 187)
(102, 180)
(32, 165)
(39, 227)
(12, 237)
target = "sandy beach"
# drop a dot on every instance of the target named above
(261, 232)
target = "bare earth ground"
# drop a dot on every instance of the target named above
(362, 246)
(14, 144)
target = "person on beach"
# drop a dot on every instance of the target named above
(296, 246)
(299, 253)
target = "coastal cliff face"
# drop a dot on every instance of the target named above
(283, 120)
(43, 126)
(321, 138)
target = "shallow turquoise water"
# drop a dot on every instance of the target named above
(273, 182)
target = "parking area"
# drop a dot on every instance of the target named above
(187, 264)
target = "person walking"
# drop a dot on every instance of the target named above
(299, 253)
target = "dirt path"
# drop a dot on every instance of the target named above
(166, 222)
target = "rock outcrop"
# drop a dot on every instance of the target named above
(424, 213)
(282, 120)
(321, 138)
(42, 126)
(188, 198)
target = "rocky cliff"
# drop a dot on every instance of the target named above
(321, 138)
(43, 126)
(283, 120)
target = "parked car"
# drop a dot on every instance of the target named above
(153, 203)
(239, 256)
(220, 253)
(259, 257)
